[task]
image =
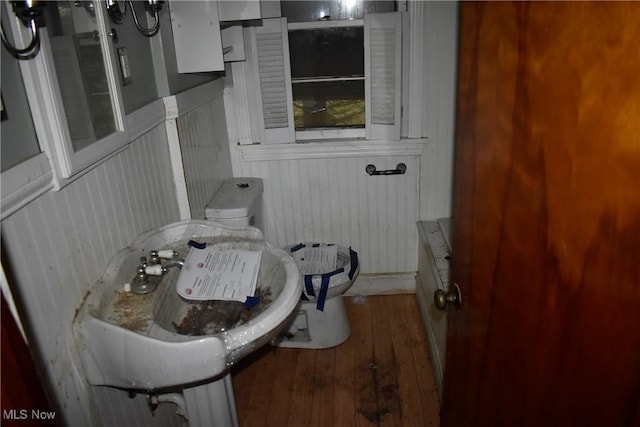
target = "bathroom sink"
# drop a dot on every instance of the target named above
(158, 339)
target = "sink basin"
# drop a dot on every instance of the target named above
(159, 340)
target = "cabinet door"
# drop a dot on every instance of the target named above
(241, 10)
(196, 36)
(22, 390)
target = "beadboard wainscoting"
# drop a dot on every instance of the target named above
(58, 246)
(204, 145)
(320, 192)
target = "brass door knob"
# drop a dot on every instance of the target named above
(442, 299)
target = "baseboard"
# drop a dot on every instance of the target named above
(384, 284)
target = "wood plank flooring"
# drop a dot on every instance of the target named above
(381, 376)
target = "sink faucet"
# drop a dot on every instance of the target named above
(150, 272)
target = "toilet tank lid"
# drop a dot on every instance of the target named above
(235, 198)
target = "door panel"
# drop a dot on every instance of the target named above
(22, 389)
(546, 217)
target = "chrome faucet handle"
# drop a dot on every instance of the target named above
(164, 253)
(143, 283)
(142, 274)
(154, 270)
(142, 268)
(154, 258)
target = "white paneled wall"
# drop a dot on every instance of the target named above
(439, 69)
(205, 152)
(58, 246)
(331, 199)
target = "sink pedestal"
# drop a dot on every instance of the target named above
(211, 404)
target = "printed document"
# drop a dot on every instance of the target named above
(210, 274)
(316, 260)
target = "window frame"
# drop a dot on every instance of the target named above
(337, 132)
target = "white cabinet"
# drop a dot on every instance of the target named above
(241, 10)
(433, 273)
(199, 43)
(196, 36)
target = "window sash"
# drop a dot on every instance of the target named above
(326, 79)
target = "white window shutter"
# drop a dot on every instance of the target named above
(274, 71)
(383, 68)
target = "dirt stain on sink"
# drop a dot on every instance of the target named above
(212, 317)
(129, 311)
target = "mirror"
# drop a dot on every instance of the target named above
(19, 140)
(82, 75)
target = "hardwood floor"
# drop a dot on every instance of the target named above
(381, 376)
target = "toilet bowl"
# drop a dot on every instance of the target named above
(329, 281)
(321, 321)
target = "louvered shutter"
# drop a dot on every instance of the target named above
(274, 71)
(383, 44)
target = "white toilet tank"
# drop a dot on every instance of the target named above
(238, 202)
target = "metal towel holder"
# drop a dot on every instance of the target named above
(400, 169)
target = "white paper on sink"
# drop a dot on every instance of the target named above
(316, 260)
(210, 274)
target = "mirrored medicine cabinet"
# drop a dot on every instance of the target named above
(71, 82)
(79, 53)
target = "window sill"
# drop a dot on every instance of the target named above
(324, 134)
(331, 149)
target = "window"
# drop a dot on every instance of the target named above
(336, 10)
(330, 69)
(327, 85)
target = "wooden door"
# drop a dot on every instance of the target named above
(22, 391)
(546, 245)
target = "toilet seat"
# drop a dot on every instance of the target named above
(318, 287)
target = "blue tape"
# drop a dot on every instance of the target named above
(252, 301)
(353, 255)
(325, 278)
(297, 247)
(196, 245)
(324, 287)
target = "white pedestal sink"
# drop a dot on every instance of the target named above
(160, 341)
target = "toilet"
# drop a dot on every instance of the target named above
(327, 270)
